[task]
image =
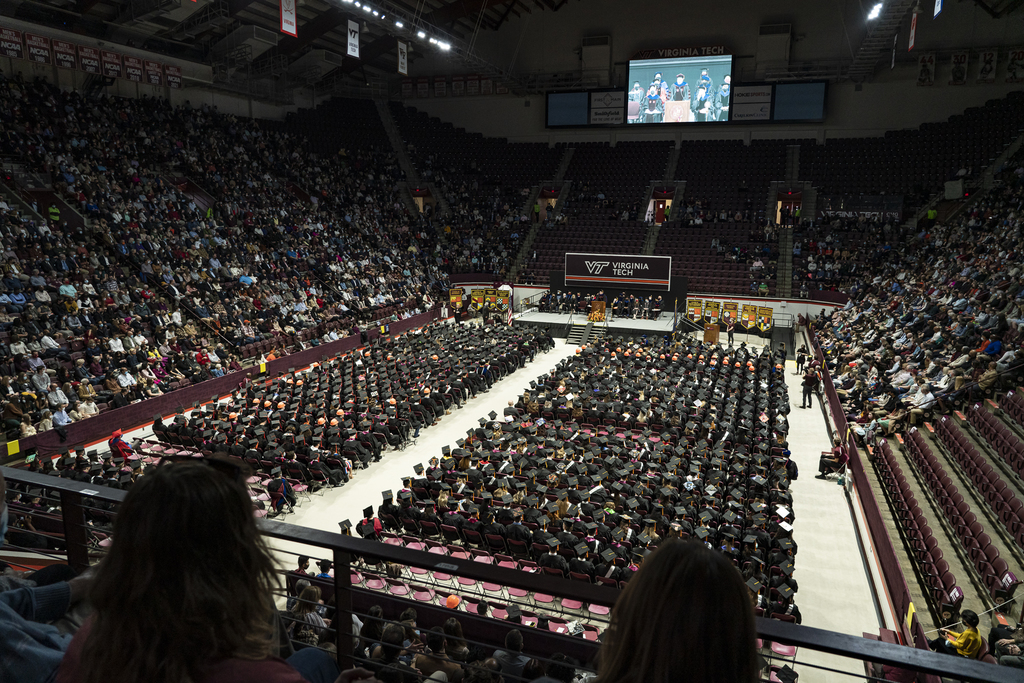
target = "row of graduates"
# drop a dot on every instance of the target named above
(347, 412)
(711, 464)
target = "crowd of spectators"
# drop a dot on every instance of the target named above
(932, 322)
(163, 290)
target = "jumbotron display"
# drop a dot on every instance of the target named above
(679, 89)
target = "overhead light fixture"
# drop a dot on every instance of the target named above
(358, 5)
(421, 34)
(433, 41)
(376, 13)
(399, 24)
(367, 8)
(876, 11)
(444, 46)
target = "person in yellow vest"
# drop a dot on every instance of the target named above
(54, 213)
(966, 643)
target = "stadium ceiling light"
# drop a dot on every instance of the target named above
(433, 41)
(399, 24)
(875, 12)
(421, 34)
(367, 8)
(358, 5)
(444, 46)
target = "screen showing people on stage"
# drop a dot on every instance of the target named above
(622, 306)
(679, 90)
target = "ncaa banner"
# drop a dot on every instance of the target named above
(353, 39)
(958, 68)
(403, 59)
(289, 18)
(615, 270)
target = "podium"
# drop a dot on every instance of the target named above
(711, 333)
(597, 312)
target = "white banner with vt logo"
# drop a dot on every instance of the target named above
(403, 58)
(353, 39)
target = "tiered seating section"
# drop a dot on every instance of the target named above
(608, 180)
(927, 555)
(914, 162)
(722, 267)
(340, 123)
(729, 175)
(582, 235)
(965, 524)
(997, 494)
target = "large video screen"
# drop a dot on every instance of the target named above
(679, 90)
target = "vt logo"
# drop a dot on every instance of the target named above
(353, 33)
(595, 267)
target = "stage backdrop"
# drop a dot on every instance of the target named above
(620, 271)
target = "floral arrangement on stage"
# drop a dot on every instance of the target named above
(596, 317)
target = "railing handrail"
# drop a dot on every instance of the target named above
(829, 642)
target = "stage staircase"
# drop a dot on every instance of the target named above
(579, 334)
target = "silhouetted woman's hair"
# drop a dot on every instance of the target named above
(187, 581)
(453, 630)
(684, 618)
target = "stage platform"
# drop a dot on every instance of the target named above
(663, 325)
(559, 324)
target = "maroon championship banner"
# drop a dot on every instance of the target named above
(38, 48)
(111, 64)
(89, 59)
(173, 76)
(65, 54)
(10, 43)
(619, 270)
(422, 87)
(154, 73)
(133, 68)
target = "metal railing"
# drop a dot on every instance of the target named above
(75, 521)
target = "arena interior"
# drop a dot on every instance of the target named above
(487, 302)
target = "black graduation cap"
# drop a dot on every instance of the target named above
(750, 538)
(543, 519)
(446, 450)
(581, 549)
(619, 534)
(785, 591)
(786, 543)
(493, 415)
(788, 568)
(608, 555)
(702, 533)
(368, 512)
(786, 674)
(552, 542)
(345, 524)
(754, 585)
(513, 611)
(417, 468)
(405, 495)
(387, 494)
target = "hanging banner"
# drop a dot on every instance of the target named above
(938, 8)
(748, 316)
(473, 84)
(403, 58)
(458, 86)
(913, 33)
(764, 318)
(65, 55)
(455, 297)
(89, 59)
(1015, 66)
(987, 59)
(408, 88)
(38, 48)
(695, 309)
(10, 44)
(172, 75)
(111, 64)
(711, 309)
(486, 86)
(926, 69)
(958, 68)
(478, 296)
(353, 39)
(730, 311)
(440, 87)
(154, 73)
(289, 18)
(133, 69)
(423, 87)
